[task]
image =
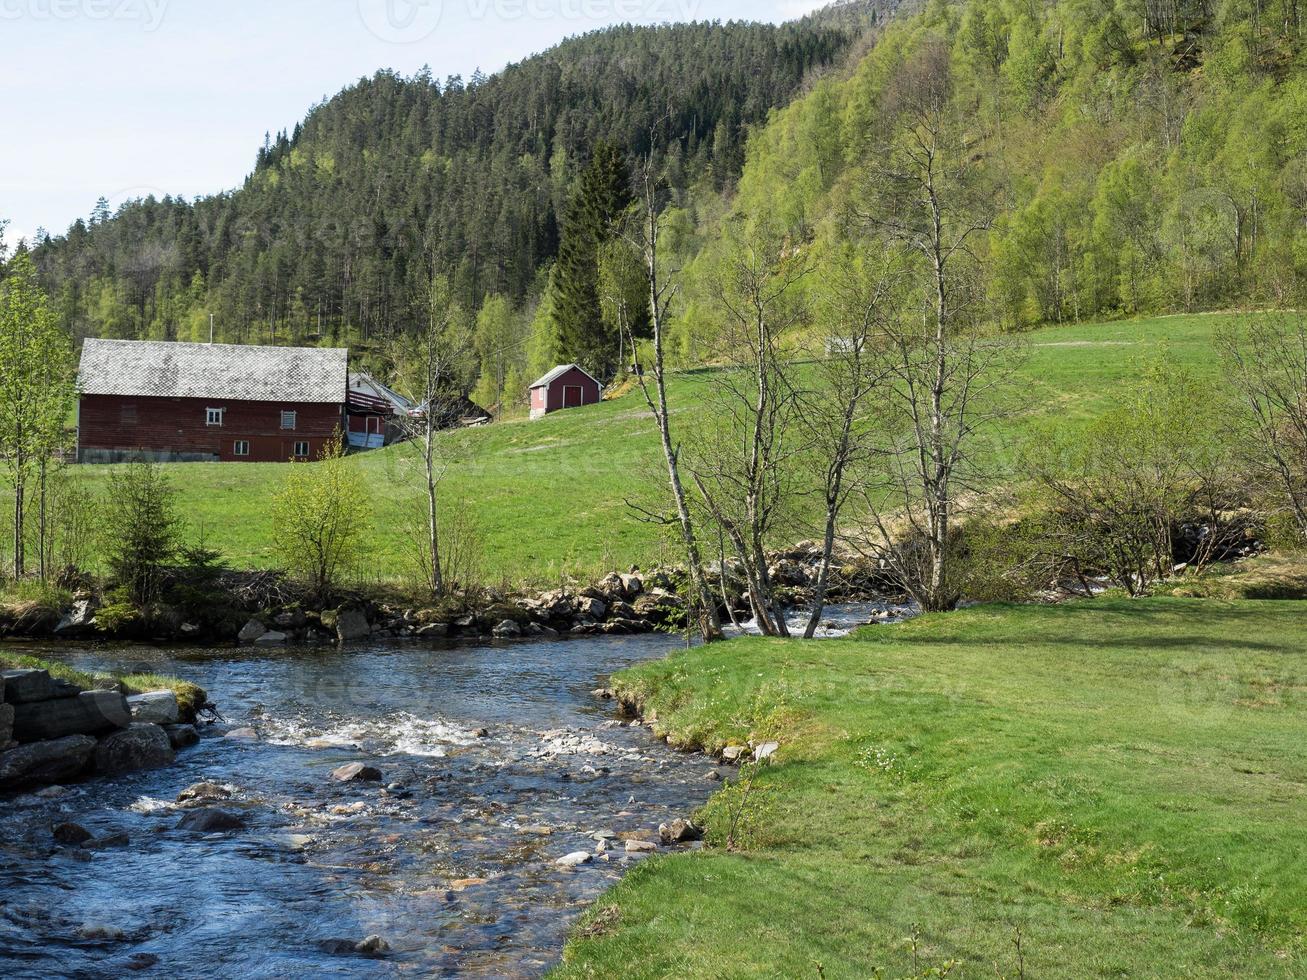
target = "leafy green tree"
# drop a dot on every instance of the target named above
(321, 519)
(36, 391)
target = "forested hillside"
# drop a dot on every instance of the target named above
(1123, 156)
(342, 223)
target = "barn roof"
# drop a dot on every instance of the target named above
(161, 369)
(561, 370)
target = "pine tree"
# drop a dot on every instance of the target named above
(603, 195)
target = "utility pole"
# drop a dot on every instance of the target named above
(210, 329)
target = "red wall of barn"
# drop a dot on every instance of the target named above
(590, 390)
(179, 425)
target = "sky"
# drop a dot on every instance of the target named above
(125, 98)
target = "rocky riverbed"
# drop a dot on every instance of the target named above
(366, 811)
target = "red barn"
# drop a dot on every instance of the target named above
(172, 402)
(566, 386)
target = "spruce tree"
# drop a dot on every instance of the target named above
(602, 196)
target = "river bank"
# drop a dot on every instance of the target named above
(1038, 791)
(267, 609)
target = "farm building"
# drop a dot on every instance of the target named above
(173, 402)
(374, 411)
(566, 386)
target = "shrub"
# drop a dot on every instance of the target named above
(1114, 495)
(322, 519)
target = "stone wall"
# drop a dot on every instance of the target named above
(52, 731)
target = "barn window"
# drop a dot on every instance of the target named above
(301, 450)
(289, 420)
(242, 448)
(214, 416)
(129, 413)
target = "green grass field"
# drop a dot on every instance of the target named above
(1120, 784)
(550, 497)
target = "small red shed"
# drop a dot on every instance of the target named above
(566, 386)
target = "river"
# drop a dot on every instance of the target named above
(506, 761)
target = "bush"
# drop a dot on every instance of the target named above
(322, 518)
(1115, 494)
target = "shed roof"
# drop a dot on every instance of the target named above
(561, 370)
(162, 369)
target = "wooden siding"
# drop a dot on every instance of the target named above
(177, 427)
(552, 398)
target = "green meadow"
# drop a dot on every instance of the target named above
(552, 498)
(1108, 788)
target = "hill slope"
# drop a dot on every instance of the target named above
(339, 225)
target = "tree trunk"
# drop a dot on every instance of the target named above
(433, 523)
(709, 622)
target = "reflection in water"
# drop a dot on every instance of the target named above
(496, 760)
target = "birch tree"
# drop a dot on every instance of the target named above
(431, 366)
(928, 193)
(36, 393)
(744, 465)
(662, 290)
(1267, 367)
(858, 297)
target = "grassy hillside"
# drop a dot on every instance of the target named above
(550, 497)
(1120, 784)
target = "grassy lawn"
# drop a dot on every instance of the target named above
(1119, 783)
(550, 497)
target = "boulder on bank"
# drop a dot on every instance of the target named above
(155, 708)
(182, 736)
(79, 619)
(6, 726)
(143, 746)
(26, 686)
(251, 631)
(89, 713)
(351, 625)
(46, 762)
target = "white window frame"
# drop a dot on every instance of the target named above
(292, 417)
(308, 449)
(214, 417)
(236, 448)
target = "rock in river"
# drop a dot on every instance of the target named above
(211, 821)
(204, 791)
(72, 834)
(182, 736)
(357, 772)
(143, 746)
(575, 859)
